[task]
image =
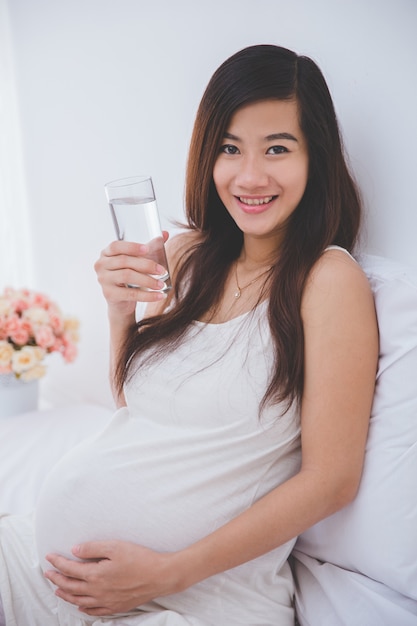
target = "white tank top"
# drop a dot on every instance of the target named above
(188, 454)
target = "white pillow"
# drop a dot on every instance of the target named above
(376, 534)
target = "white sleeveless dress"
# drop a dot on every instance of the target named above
(188, 454)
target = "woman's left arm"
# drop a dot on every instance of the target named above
(341, 354)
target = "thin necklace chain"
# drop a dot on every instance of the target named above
(239, 289)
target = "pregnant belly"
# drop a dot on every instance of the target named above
(138, 483)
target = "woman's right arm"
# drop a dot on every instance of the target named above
(120, 264)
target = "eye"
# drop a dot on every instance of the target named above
(277, 150)
(229, 149)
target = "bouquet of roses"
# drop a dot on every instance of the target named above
(32, 326)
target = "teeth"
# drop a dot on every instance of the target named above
(256, 201)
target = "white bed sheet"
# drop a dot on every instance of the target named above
(328, 595)
(31, 444)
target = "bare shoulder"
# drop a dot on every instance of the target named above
(338, 270)
(336, 281)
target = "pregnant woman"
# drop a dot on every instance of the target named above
(244, 394)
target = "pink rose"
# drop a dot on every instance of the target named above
(3, 328)
(19, 305)
(18, 330)
(11, 323)
(58, 345)
(44, 337)
(32, 325)
(40, 300)
(56, 322)
(70, 352)
(20, 337)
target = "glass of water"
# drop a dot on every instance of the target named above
(135, 216)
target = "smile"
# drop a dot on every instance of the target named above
(256, 201)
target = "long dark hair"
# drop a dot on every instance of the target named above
(329, 212)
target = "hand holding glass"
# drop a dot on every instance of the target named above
(135, 216)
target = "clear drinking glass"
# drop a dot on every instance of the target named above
(135, 216)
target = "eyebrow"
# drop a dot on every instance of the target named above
(273, 137)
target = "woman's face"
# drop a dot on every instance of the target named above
(262, 168)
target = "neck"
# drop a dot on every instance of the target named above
(257, 253)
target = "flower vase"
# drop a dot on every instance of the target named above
(17, 396)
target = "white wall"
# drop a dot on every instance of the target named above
(109, 88)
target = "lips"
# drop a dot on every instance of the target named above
(255, 204)
(256, 201)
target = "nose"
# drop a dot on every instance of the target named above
(252, 173)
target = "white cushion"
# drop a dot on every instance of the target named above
(376, 535)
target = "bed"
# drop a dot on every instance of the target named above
(357, 567)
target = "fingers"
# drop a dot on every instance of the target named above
(85, 603)
(125, 247)
(97, 550)
(66, 567)
(113, 577)
(124, 264)
(97, 612)
(76, 589)
(124, 255)
(73, 583)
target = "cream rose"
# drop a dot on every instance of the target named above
(36, 316)
(71, 329)
(26, 358)
(6, 353)
(34, 373)
(5, 307)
